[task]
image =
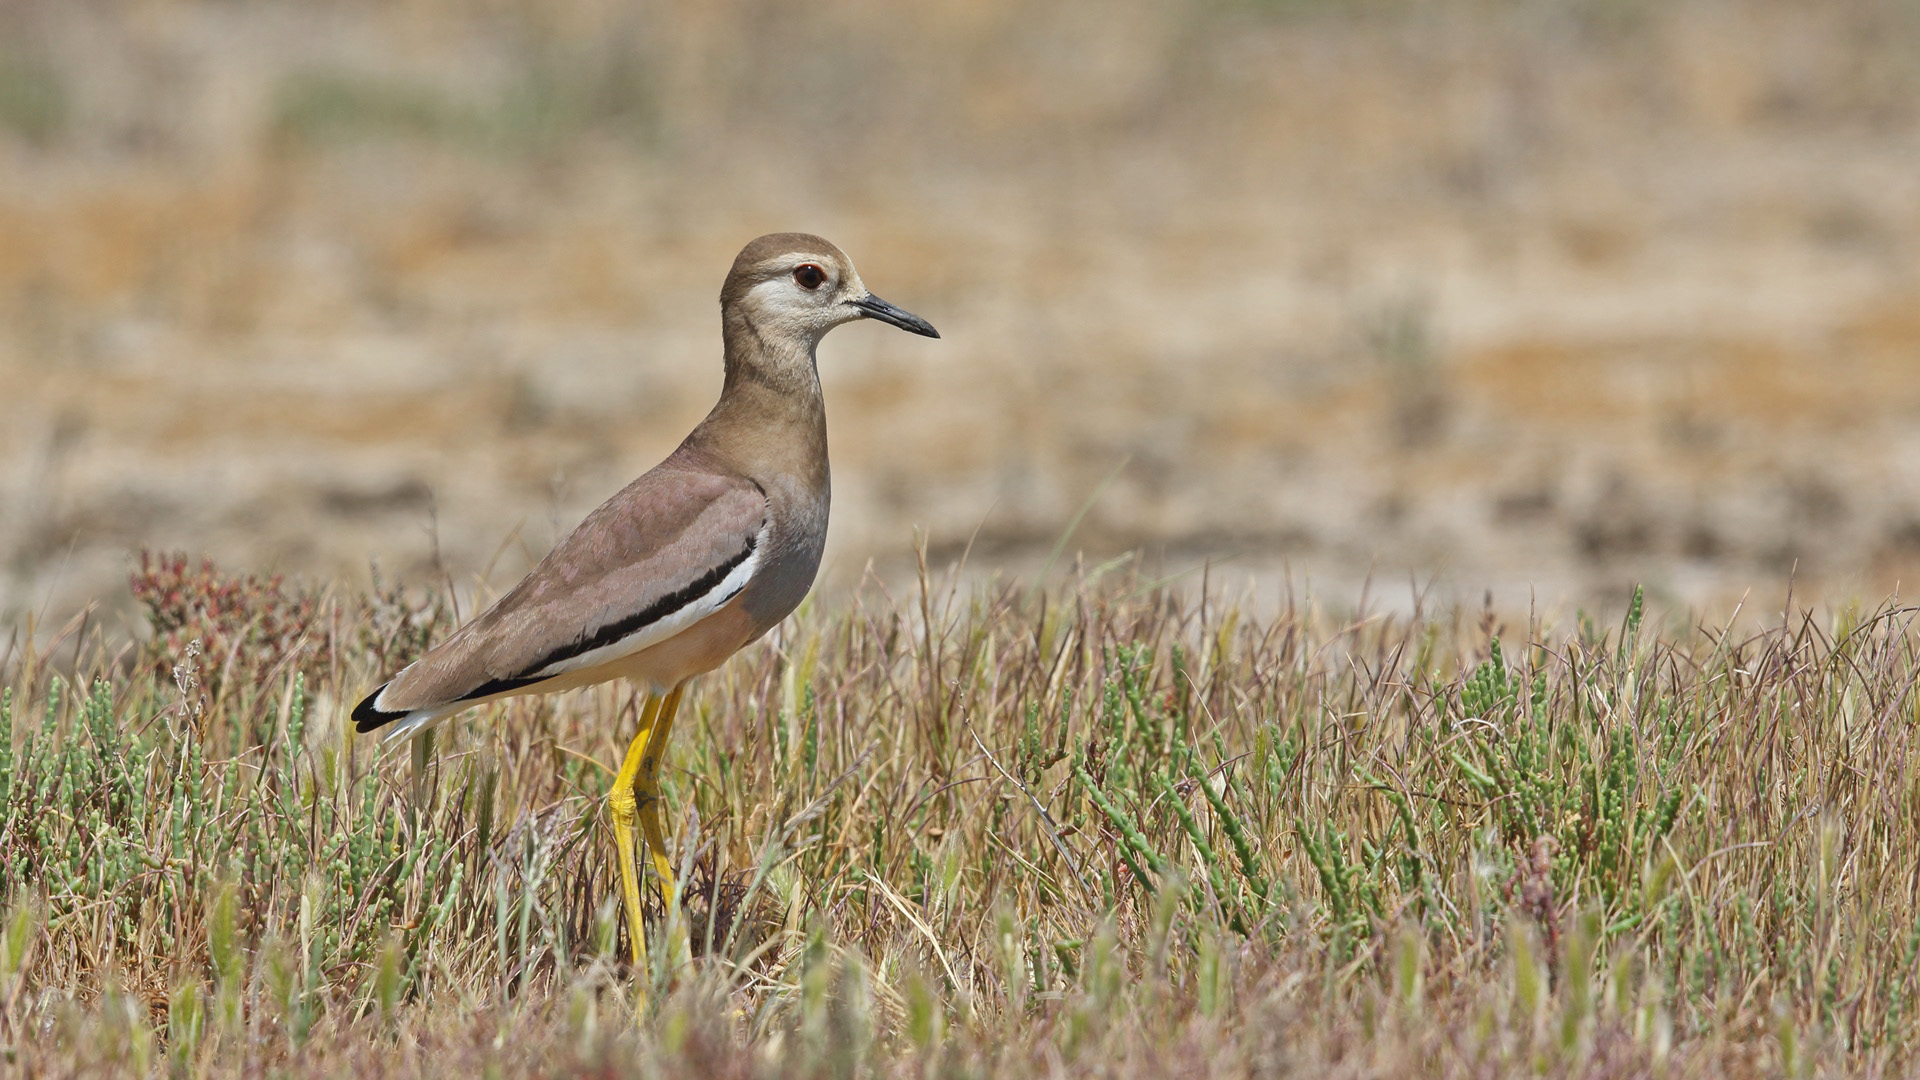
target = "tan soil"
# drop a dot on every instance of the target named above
(1541, 298)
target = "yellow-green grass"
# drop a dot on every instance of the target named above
(1102, 830)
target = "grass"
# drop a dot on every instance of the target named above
(1104, 831)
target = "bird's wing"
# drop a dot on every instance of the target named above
(661, 555)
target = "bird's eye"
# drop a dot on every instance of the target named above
(808, 276)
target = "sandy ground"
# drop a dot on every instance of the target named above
(1538, 298)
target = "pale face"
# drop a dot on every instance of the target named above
(800, 295)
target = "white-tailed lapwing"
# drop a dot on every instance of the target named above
(687, 564)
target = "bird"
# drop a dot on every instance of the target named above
(684, 566)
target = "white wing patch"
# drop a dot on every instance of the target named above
(668, 625)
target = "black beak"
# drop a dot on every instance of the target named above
(875, 308)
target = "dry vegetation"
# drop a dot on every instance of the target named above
(1100, 831)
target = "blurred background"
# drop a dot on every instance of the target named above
(1542, 298)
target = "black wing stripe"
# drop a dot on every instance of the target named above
(499, 686)
(632, 624)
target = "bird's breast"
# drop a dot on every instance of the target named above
(797, 536)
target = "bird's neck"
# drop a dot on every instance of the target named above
(779, 363)
(771, 419)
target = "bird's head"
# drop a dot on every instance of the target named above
(788, 289)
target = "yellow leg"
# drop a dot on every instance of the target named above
(620, 803)
(646, 790)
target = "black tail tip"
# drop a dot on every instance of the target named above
(366, 717)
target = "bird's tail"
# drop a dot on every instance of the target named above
(369, 716)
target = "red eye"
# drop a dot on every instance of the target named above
(808, 276)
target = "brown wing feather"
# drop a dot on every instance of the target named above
(661, 536)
